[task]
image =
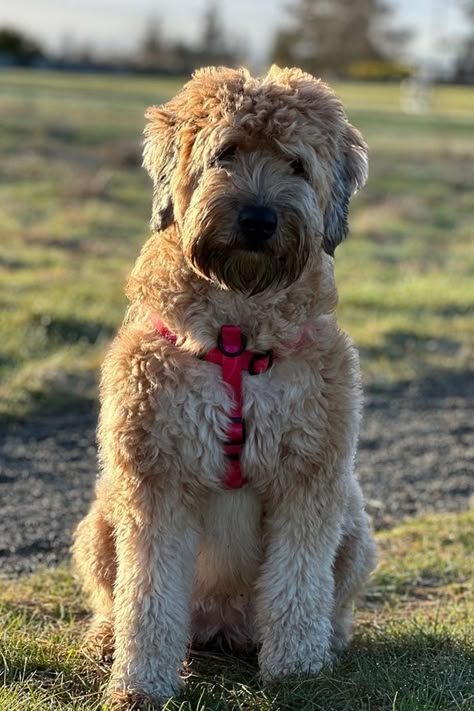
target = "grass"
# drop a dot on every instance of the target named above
(413, 648)
(74, 211)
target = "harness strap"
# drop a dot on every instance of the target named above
(233, 358)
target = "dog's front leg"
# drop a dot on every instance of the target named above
(156, 551)
(295, 590)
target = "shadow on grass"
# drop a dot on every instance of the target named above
(415, 668)
(398, 344)
(70, 394)
(72, 330)
(436, 383)
(408, 670)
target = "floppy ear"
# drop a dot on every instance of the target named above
(350, 174)
(160, 158)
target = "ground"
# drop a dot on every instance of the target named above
(413, 649)
(416, 454)
(74, 210)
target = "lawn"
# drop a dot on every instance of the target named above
(75, 205)
(74, 211)
(413, 648)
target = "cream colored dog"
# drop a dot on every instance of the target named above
(228, 507)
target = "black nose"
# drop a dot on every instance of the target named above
(258, 223)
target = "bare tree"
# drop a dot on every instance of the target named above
(464, 63)
(153, 52)
(214, 46)
(159, 53)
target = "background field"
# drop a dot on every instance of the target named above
(74, 210)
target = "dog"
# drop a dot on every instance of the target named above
(227, 509)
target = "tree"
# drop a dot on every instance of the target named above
(464, 63)
(153, 52)
(23, 50)
(330, 35)
(212, 39)
(213, 46)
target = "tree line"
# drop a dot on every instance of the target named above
(155, 51)
(342, 38)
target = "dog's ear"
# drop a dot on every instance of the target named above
(159, 158)
(350, 174)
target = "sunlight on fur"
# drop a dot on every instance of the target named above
(252, 180)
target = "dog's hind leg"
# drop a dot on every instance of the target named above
(355, 558)
(94, 559)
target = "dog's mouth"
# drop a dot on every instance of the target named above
(246, 267)
(245, 271)
(257, 246)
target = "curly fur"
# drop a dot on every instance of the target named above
(166, 553)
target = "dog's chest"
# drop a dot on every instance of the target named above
(282, 408)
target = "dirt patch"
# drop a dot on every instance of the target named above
(416, 454)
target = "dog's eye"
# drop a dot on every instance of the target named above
(298, 168)
(225, 155)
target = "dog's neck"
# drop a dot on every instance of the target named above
(194, 308)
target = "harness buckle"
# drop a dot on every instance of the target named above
(220, 343)
(259, 358)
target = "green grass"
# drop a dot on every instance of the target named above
(413, 648)
(74, 211)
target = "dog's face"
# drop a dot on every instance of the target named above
(255, 174)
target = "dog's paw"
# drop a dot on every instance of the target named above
(140, 697)
(133, 701)
(273, 670)
(99, 640)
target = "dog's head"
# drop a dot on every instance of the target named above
(256, 174)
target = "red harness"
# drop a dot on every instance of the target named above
(231, 355)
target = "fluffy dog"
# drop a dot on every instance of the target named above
(252, 180)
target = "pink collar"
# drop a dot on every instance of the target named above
(233, 358)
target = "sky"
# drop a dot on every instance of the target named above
(119, 24)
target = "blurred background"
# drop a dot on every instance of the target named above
(356, 39)
(75, 79)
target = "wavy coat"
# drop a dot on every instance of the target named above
(166, 554)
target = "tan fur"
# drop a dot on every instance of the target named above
(166, 553)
